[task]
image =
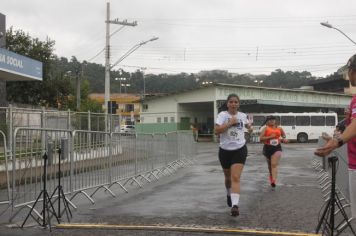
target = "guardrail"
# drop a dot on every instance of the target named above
(90, 161)
(324, 178)
(4, 173)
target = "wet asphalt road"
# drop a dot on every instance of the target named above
(195, 197)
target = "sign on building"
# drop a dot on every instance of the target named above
(15, 67)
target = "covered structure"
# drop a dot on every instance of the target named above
(199, 107)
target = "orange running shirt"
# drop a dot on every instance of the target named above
(271, 130)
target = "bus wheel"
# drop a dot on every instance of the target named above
(302, 138)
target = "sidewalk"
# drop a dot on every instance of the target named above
(195, 197)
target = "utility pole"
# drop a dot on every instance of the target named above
(107, 51)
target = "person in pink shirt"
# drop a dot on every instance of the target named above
(348, 136)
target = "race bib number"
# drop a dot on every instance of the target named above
(236, 134)
(274, 142)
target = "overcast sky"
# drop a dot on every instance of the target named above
(242, 36)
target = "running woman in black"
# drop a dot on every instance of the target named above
(230, 126)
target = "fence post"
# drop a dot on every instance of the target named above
(154, 149)
(177, 142)
(110, 157)
(71, 163)
(68, 120)
(89, 128)
(89, 121)
(13, 151)
(6, 166)
(43, 125)
(166, 148)
(135, 151)
(10, 127)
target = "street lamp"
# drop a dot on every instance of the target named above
(206, 82)
(126, 85)
(326, 24)
(131, 50)
(259, 82)
(77, 85)
(120, 79)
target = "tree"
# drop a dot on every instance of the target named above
(289, 79)
(53, 89)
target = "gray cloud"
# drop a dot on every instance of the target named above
(240, 36)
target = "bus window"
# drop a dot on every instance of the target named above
(302, 120)
(318, 120)
(288, 121)
(330, 121)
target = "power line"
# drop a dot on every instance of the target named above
(96, 55)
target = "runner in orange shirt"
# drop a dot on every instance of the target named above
(272, 135)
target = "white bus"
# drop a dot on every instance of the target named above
(298, 126)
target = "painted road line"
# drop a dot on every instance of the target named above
(181, 229)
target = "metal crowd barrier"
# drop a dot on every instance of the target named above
(29, 146)
(90, 161)
(12, 117)
(342, 177)
(342, 182)
(4, 173)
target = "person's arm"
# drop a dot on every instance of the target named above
(222, 128)
(263, 137)
(283, 135)
(349, 133)
(248, 125)
(225, 126)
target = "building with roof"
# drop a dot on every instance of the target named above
(333, 84)
(128, 105)
(200, 106)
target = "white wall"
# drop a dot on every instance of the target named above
(167, 106)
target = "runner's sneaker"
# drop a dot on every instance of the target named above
(273, 184)
(228, 200)
(235, 211)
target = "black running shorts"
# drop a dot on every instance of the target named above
(269, 150)
(229, 157)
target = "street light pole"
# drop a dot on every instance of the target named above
(107, 58)
(326, 24)
(107, 51)
(131, 50)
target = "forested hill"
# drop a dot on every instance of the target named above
(167, 83)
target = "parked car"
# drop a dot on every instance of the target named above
(127, 129)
